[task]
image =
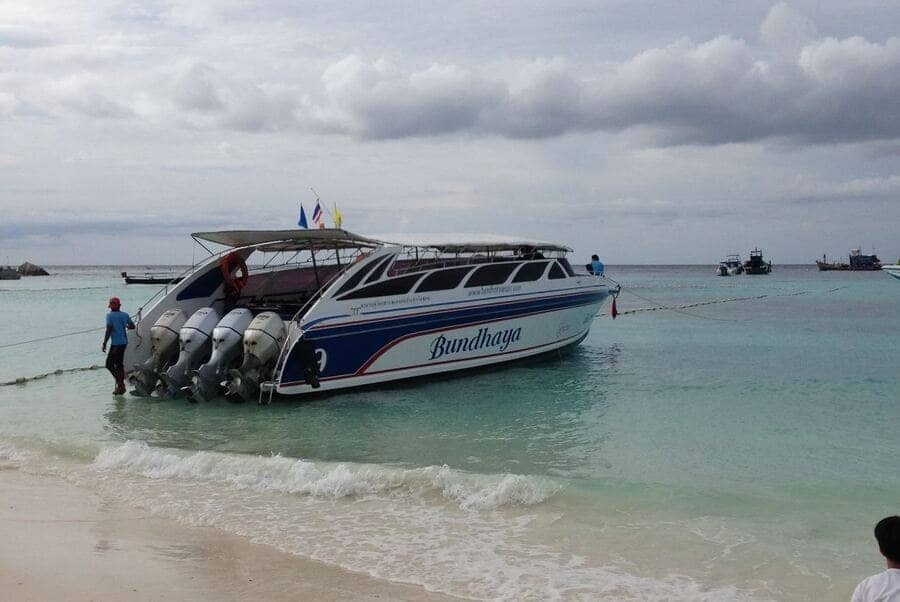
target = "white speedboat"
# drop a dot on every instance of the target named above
(732, 266)
(327, 309)
(893, 270)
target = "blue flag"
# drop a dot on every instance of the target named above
(302, 221)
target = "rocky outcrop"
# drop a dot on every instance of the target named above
(29, 269)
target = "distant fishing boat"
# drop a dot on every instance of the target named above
(9, 273)
(152, 278)
(756, 265)
(731, 266)
(858, 263)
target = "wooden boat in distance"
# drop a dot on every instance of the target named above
(151, 278)
(858, 263)
(8, 273)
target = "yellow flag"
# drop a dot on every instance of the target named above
(336, 216)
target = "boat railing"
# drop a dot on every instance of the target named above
(289, 340)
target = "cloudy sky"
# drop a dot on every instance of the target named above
(651, 132)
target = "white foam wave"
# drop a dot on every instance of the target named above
(374, 519)
(322, 479)
(10, 454)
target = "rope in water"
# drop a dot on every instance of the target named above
(23, 380)
(136, 316)
(56, 336)
(678, 308)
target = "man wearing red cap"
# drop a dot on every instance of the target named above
(117, 321)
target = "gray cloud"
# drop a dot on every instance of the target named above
(195, 89)
(376, 100)
(716, 92)
(793, 86)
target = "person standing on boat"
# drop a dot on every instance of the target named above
(597, 266)
(117, 322)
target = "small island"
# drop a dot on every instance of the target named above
(30, 269)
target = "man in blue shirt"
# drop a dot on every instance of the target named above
(597, 266)
(117, 321)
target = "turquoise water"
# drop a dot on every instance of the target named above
(731, 451)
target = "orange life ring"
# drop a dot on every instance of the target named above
(231, 262)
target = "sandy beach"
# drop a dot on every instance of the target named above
(62, 542)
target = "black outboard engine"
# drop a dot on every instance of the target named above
(163, 351)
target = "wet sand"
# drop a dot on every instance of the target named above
(59, 541)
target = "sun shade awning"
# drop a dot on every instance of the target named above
(288, 240)
(488, 247)
(470, 242)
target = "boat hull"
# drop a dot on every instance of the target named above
(137, 280)
(846, 267)
(893, 270)
(367, 353)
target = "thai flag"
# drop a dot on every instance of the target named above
(317, 215)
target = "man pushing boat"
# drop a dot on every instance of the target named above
(117, 321)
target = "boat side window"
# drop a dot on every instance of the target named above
(566, 266)
(556, 272)
(443, 280)
(531, 271)
(377, 272)
(385, 288)
(204, 286)
(495, 273)
(358, 276)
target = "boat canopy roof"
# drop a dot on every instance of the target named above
(335, 238)
(486, 247)
(288, 240)
(471, 243)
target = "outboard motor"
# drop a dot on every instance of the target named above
(263, 341)
(195, 342)
(163, 350)
(226, 351)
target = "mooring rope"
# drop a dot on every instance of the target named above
(136, 318)
(50, 338)
(679, 308)
(28, 379)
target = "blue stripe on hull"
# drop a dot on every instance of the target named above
(350, 346)
(548, 350)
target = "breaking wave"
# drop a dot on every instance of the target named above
(324, 479)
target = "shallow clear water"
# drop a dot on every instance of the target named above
(731, 451)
